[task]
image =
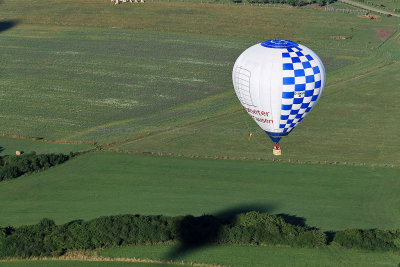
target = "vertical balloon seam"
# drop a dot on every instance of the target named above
(319, 65)
(270, 95)
(323, 75)
(281, 85)
(278, 56)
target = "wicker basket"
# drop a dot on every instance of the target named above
(276, 151)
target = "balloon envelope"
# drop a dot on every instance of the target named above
(278, 82)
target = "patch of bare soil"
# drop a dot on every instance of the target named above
(383, 34)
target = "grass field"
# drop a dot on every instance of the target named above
(324, 136)
(8, 146)
(235, 255)
(262, 256)
(99, 82)
(104, 84)
(157, 78)
(95, 184)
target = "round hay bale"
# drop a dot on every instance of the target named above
(18, 153)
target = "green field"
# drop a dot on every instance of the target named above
(346, 133)
(95, 184)
(106, 83)
(236, 255)
(156, 78)
(96, 84)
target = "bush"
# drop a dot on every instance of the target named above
(3, 248)
(373, 239)
(261, 228)
(48, 239)
(14, 166)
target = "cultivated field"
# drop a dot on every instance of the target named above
(156, 79)
(96, 184)
(344, 128)
(124, 76)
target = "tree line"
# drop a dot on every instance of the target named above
(15, 166)
(48, 239)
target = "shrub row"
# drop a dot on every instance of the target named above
(48, 239)
(14, 166)
(248, 228)
(373, 239)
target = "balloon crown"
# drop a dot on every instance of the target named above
(279, 44)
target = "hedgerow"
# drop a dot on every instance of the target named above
(48, 239)
(15, 166)
(372, 239)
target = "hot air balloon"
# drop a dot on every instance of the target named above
(278, 82)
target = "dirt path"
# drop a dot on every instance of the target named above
(368, 8)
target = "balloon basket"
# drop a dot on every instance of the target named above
(277, 150)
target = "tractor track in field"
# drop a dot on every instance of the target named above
(120, 122)
(363, 74)
(120, 142)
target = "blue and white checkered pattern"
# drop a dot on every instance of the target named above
(301, 86)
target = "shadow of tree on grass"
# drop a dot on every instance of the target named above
(198, 232)
(293, 219)
(6, 25)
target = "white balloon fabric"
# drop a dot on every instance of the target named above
(278, 82)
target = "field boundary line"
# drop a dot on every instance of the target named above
(393, 36)
(62, 142)
(293, 161)
(107, 259)
(97, 127)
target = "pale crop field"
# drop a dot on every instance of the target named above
(139, 69)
